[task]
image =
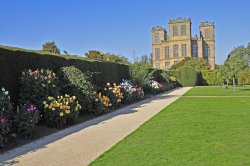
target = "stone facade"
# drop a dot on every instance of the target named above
(171, 48)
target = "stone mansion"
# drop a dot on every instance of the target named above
(170, 48)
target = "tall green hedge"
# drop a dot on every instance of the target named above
(186, 76)
(14, 61)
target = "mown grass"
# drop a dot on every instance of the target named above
(219, 91)
(191, 131)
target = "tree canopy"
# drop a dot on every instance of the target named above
(51, 47)
(94, 54)
(197, 63)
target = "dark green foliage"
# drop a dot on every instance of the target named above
(75, 83)
(26, 120)
(6, 115)
(189, 76)
(14, 60)
(36, 85)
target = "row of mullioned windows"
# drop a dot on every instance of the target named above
(183, 30)
(175, 51)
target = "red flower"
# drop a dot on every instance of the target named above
(35, 72)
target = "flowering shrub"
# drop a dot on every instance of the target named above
(6, 114)
(154, 86)
(74, 82)
(36, 85)
(26, 120)
(131, 93)
(101, 103)
(61, 110)
(113, 92)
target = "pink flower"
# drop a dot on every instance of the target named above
(3, 120)
(35, 72)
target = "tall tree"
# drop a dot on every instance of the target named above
(51, 47)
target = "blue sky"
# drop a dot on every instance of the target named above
(117, 26)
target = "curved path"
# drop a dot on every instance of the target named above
(83, 143)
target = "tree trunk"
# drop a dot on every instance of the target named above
(234, 83)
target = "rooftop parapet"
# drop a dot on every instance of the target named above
(157, 28)
(207, 23)
(179, 19)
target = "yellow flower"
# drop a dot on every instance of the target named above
(53, 109)
(74, 97)
(110, 104)
(96, 99)
(67, 111)
(50, 98)
(61, 113)
(67, 103)
(44, 103)
(46, 106)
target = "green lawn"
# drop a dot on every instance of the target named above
(219, 91)
(191, 131)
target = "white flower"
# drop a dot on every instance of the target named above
(3, 89)
(6, 93)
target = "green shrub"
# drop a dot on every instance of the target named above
(139, 72)
(14, 60)
(189, 76)
(36, 85)
(61, 111)
(130, 92)
(244, 77)
(26, 120)
(113, 92)
(101, 103)
(210, 77)
(6, 115)
(73, 82)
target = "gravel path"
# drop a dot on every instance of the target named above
(83, 143)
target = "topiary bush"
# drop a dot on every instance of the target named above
(189, 76)
(73, 82)
(6, 115)
(61, 110)
(36, 85)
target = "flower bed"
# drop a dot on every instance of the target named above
(60, 98)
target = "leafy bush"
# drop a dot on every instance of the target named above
(154, 86)
(130, 92)
(36, 85)
(244, 77)
(189, 76)
(101, 103)
(26, 120)
(210, 77)
(113, 92)
(61, 110)
(139, 72)
(74, 82)
(6, 114)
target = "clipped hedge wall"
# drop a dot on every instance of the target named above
(14, 61)
(186, 76)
